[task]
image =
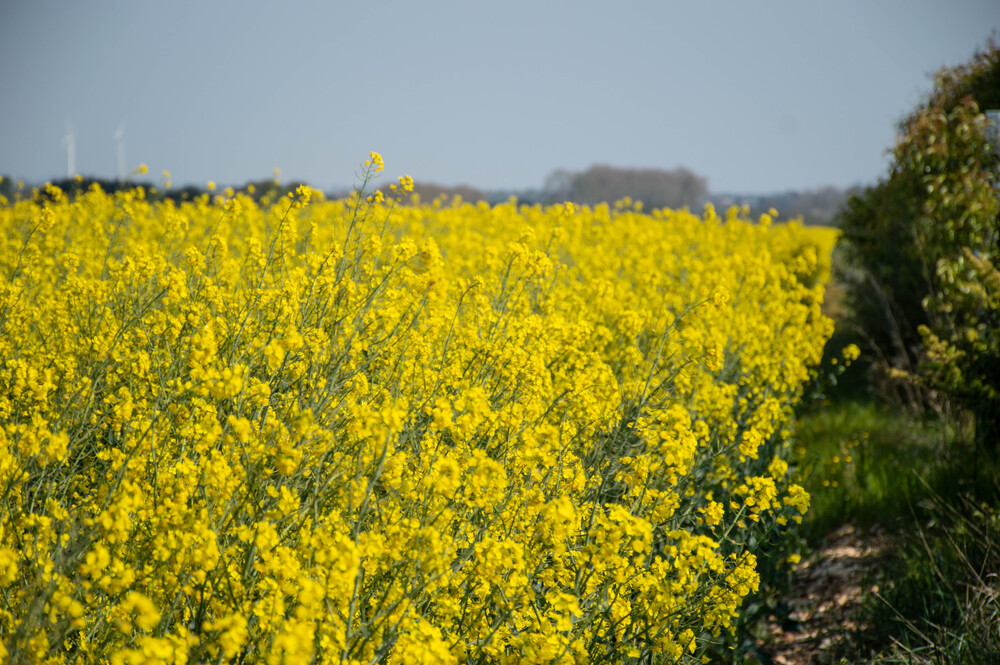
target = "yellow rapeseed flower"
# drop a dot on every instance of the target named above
(439, 432)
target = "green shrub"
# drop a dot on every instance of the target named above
(924, 243)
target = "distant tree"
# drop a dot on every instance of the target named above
(185, 193)
(429, 191)
(76, 185)
(606, 184)
(268, 188)
(813, 206)
(559, 185)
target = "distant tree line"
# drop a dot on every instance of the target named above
(427, 192)
(813, 206)
(259, 190)
(598, 184)
(7, 187)
(656, 188)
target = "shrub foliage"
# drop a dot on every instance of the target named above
(926, 240)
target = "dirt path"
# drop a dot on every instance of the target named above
(827, 590)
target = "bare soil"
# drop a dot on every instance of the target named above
(827, 591)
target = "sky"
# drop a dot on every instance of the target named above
(756, 97)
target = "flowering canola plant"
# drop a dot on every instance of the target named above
(356, 431)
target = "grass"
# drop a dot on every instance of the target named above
(869, 465)
(940, 600)
(921, 483)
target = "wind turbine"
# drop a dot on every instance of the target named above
(70, 140)
(119, 137)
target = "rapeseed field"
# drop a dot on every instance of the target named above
(358, 431)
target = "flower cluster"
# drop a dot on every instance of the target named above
(353, 431)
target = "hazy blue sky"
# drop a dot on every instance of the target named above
(755, 96)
